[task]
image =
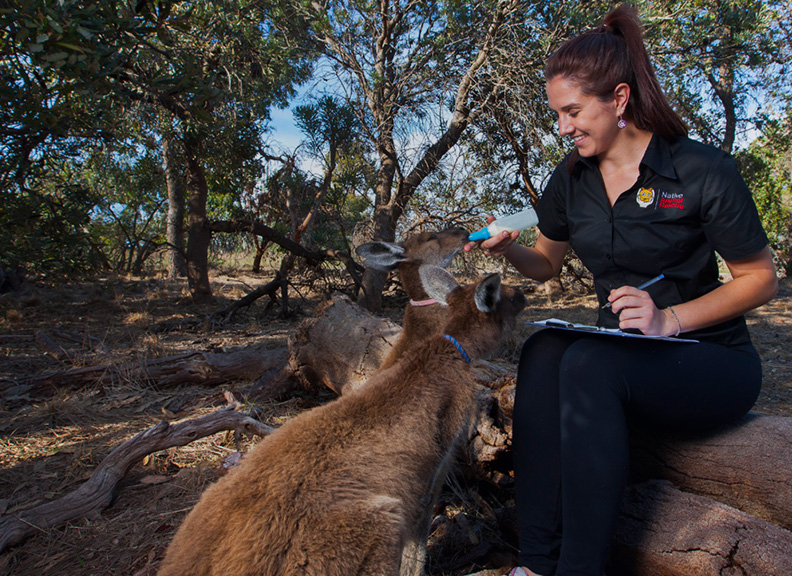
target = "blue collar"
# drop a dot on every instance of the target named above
(458, 347)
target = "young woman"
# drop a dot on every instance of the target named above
(635, 199)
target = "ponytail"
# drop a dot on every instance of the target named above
(614, 53)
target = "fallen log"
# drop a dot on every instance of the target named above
(341, 346)
(96, 493)
(666, 532)
(747, 465)
(208, 368)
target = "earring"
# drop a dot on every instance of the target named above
(622, 123)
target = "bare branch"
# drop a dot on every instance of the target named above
(97, 492)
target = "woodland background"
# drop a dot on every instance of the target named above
(148, 200)
(138, 134)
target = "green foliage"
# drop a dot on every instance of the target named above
(717, 61)
(53, 78)
(766, 166)
(334, 203)
(88, 88)
(78, 79)
(516, 140)
(61, 207)
(128, 181)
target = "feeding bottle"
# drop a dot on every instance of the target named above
(518, 221)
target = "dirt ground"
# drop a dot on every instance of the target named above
(50, 444)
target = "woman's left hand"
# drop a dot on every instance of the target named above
(637, 311)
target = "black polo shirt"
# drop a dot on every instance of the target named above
(689, 202)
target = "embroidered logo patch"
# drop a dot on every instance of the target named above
(645, 197)
(672, 200)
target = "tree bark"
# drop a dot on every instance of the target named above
(199, 235)
(747, 465)
(341, 347)
(177, 265)
(666, 532)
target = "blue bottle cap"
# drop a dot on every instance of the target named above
(482, 234)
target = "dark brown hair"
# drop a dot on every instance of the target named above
(602, 58)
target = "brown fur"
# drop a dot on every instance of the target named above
(341, 489)
(434, 248)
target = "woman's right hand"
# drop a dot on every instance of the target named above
(495, 246)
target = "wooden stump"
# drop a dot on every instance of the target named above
(342, 346)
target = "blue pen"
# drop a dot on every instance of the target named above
(642, 286)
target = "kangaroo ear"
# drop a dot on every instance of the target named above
(382, 256)
(437, 282)
(488, 293)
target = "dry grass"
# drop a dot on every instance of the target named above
(50, 444)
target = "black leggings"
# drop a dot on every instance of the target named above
(576, 396)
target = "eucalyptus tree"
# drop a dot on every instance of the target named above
(215, 67)
(53, 57)
(409, 70)
(127, 221)
(172, 160)
(515, 139)
(766, 165)
(330, 132)
(722, 63)
(299, 209)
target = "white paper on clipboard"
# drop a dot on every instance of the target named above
(575, 327)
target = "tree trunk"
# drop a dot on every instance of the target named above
(384, 222)
(384, 105)
(261, 247)
(177, 266)
(370, 296)
(198, 233)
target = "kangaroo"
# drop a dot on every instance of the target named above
(342, 489)
(423, 315)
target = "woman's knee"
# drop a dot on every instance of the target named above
(590, 368)
(544, 346)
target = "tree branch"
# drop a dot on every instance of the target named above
(97, 492)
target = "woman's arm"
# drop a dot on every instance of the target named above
(754, 282)
(540, 262)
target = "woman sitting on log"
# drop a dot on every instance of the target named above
(634, 199)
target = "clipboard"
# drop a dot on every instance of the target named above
(575, 327)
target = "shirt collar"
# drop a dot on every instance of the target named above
(657, 157)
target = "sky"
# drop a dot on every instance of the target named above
(283, 129)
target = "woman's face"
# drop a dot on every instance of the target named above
(590, 122)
